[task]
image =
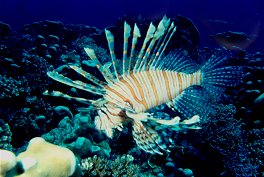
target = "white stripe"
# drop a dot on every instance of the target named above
(143, 82)
(131, 82)
(170, 80)
(136, 105)
(139, 107)
(123, 89)
(112, 97)
(162, 86)
(176, 82)
(157, 85)
(151, 96)
(183, 81)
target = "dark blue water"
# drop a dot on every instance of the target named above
(231, 140)
(210, 17)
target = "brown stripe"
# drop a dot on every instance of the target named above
(113, 114)
(142, 133)
(101, 120)
(179, 82)
(112, 98)
(131, 89)
(199, 79)
(153, 86)
(109, 119)
(192, 81)
(119, 95)
(167, 84)
(140, 91)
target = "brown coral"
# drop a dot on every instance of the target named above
(121, 166)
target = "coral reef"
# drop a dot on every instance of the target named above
(249, 99)
(40, 159)
(11, 87)
(5, 136)
(78, 134)
(7, 162)
(121, 166)
(229, 144)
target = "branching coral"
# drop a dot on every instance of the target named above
(238, 147)
(11, 87)
(5, 136)
(121, 166)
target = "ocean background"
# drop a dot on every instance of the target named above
(40, 38)
(210, 16)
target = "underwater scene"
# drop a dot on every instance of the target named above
(159, 88)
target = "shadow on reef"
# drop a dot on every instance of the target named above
(229, 144)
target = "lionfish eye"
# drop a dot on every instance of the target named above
(128, 104)
(129, 107)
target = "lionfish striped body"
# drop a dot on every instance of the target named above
(147, 89)
(147, 79)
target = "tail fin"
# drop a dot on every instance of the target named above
(216, 75)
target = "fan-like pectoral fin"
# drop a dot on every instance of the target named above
(147, 138)
(174, 123)
(108, 120)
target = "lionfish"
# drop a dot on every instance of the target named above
(146, 79)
